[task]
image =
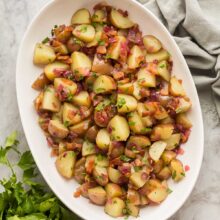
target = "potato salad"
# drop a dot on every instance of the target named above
(113, 112)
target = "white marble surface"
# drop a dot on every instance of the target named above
(204, 202)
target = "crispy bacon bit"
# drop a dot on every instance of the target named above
(180, 151)
(64, 58)
(144, 92)
(135, 35)
(125, 169)
(152, 67)
(77, 193)
(90, 166)
(187, 168)
(185, 136)
(144, 176)
(51, 142)
(124, 13)
(54, 152)
(118, 75)
(154, 96)
(101, 50)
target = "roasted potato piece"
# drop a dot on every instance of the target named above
(103, 139)
(82, 99)
(113, 190)
(148, 121)
(92, 133)
(138, 179)
(119, 128)
(163, 70)
(80, 170)
(176, 87)
(162, 132)
(173, 141)
(57, 129)
(152, 44)
(157, 195)
(104, 84)
(136, 124)
(167, 120)
(126, 103)
(183, 106)
(135, 57)
(167, 156)
(116, 149)
(177, 170)
(120, 21)
(158, 165)
(82, 16)
(159, 56)
(100, 175)
(41, 82)
(114, 175)
(139, 141)
(50, 102)
(127, 88)
(183, 120)
(65, 164)
(74, 44)
(43, 54)
(133, 197)
(61, 49)
(97, 195)
(160, 113)
(114, 49)
(137, 90)
(156, 150)
(165, 173)
(115, 207)
(68, 86)
(71, 114)
(52, 70)
(146, 78)
(81, 128)
(88, 148)
(101, 160)
(81, 64)
(101, 66)
(99, 16)
(84, 32)
(132, 209)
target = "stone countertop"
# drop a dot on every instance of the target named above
(15, 15)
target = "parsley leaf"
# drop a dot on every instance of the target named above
(125, 158)
(45, 40)
(121, 102)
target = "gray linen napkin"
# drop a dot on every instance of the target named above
(197, 37)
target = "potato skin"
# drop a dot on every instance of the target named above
(81, 16)
(40, 82)
(151, 43)
(113, 190)
(97, 195)
(57, 129)
(115, 207)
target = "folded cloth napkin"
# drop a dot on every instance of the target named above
(197, 37)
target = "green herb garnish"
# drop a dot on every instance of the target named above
(174, 174)
(45, 40)
(169, 190)
(121, 102)
(125, 158)
(101, 43)
(131, 123)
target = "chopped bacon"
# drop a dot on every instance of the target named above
(118, 75)
(152, 67)
(101, 50)
(90, 166)
(144, 92)
(124, 13)
(185, 136)
(135, 35)
(187, 168)
(125, 169)
(180, 151)
(78, 192)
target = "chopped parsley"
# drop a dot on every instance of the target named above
(121, 102)
(136, 168)
(183, 174)
(101, 43)
(162, 65)
(69, 97)
(131, 123)
(174, 174)
(146, 130)
(83, 29)
(66, 123)
(169, 190)
(100, 90)
(125, 158)
(45, 40)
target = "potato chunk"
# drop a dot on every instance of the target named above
(100, 175)
(97, 195)
(162, 132)
(126, 103)
(82, 99)
(50, 102)
(163, 70)
(137, 90)
(103, 139)
(115, 207)
(57, 129)
(139, 141)
(81, 64)
(156, 150)
(183, 120)
(135, 57)
(65, 164)
(146, 78)
(120, 21)
(82, 16)
(113, 190)
(152, 44)
(158, 195)
(138, 179)
(177, 170)
(104, 84)
(84, 32)
(167, 156)
(132, 209)
(173, 141)
(114, 49)
(126, 88)
(101, 66)
(176, 87)
(119, 129)
(52, 70)
(159, 56)
(71, 114)
(81, 128)
(88, 148)
(43, 54)
(66, 85)
(99, 16)
(183, 106)
(41, 82)
(114, 175)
